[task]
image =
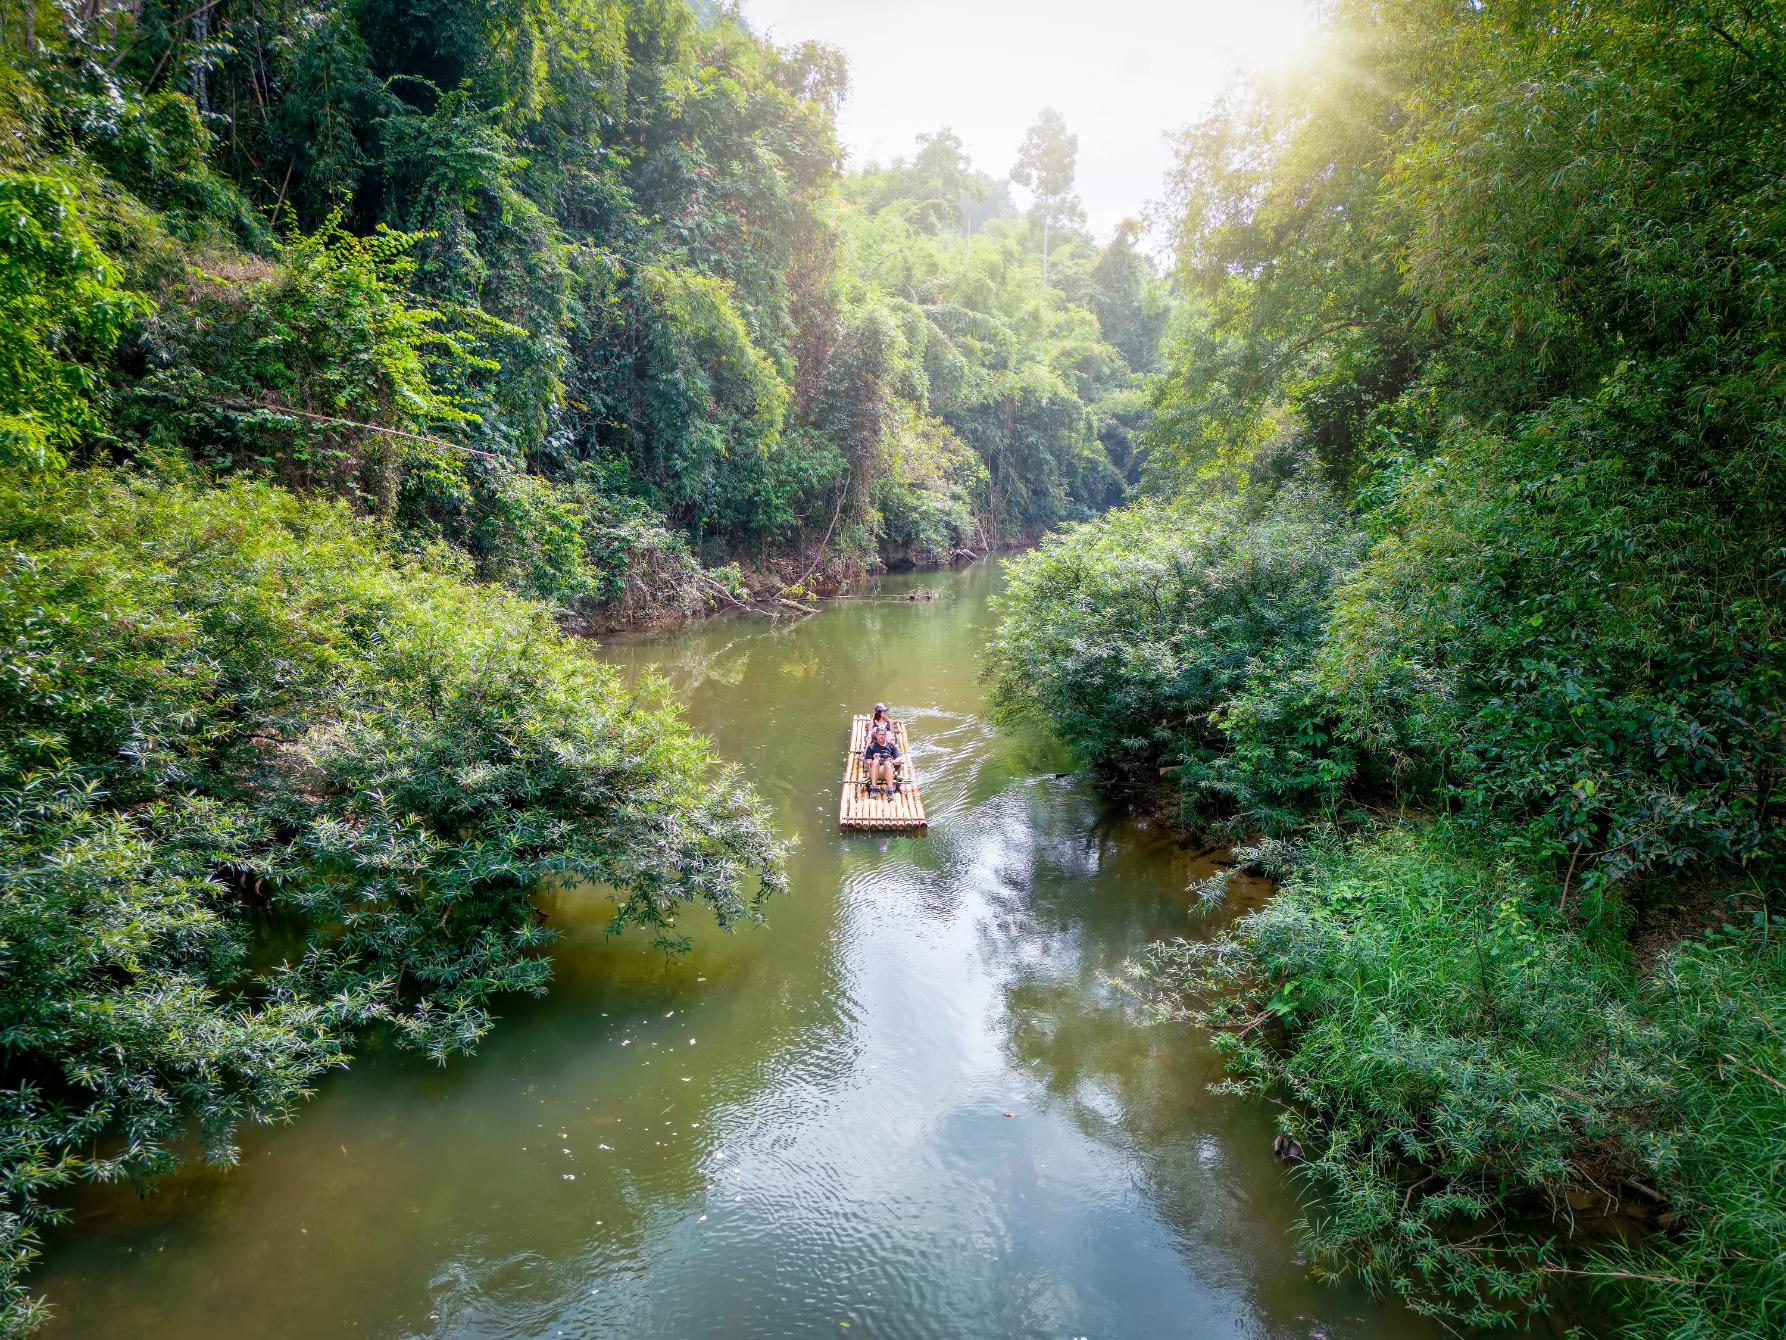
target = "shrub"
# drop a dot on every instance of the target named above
(316, 371)
(225, 710)
(61, 311)
(156, 148)
(1136, 637)
(1720, 1159)
(1572, 632)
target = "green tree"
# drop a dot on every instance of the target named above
(61, 312)
(1046, 161)
(1127, 296)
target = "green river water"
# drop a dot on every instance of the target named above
(911, 1105)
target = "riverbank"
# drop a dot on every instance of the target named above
(1458, 593)
(791, 587)
(1510, 1075)
(1492, 1102)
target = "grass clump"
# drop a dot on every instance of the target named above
(1477, 1086)
(1720, 1003)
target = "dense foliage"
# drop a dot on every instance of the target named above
(577, 278)
(1504, 281)
(1142, 637)
(264, 787)
(1443, 1018)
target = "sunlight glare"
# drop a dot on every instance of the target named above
(985, 68)
(1264, 34)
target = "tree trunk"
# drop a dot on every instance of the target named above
(201, 36)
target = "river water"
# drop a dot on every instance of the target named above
(912, 1104)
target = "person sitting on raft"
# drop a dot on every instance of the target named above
(882, 759)
(881, 718)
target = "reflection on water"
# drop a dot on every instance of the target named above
(912, 1105)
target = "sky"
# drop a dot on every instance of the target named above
(1124, 74)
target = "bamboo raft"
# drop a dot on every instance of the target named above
(857, 809)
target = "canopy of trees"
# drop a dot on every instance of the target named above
(646, 329)
(1463, 590)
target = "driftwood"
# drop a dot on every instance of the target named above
(716, 589)
(773, 606)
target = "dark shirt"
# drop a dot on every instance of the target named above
(881, 748)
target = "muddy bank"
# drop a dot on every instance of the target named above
(789, 587)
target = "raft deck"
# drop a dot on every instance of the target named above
(902, 810)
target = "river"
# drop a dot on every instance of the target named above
(911, 1105)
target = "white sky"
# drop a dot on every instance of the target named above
(1124, 74)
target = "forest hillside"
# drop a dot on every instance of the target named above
(577, 290)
